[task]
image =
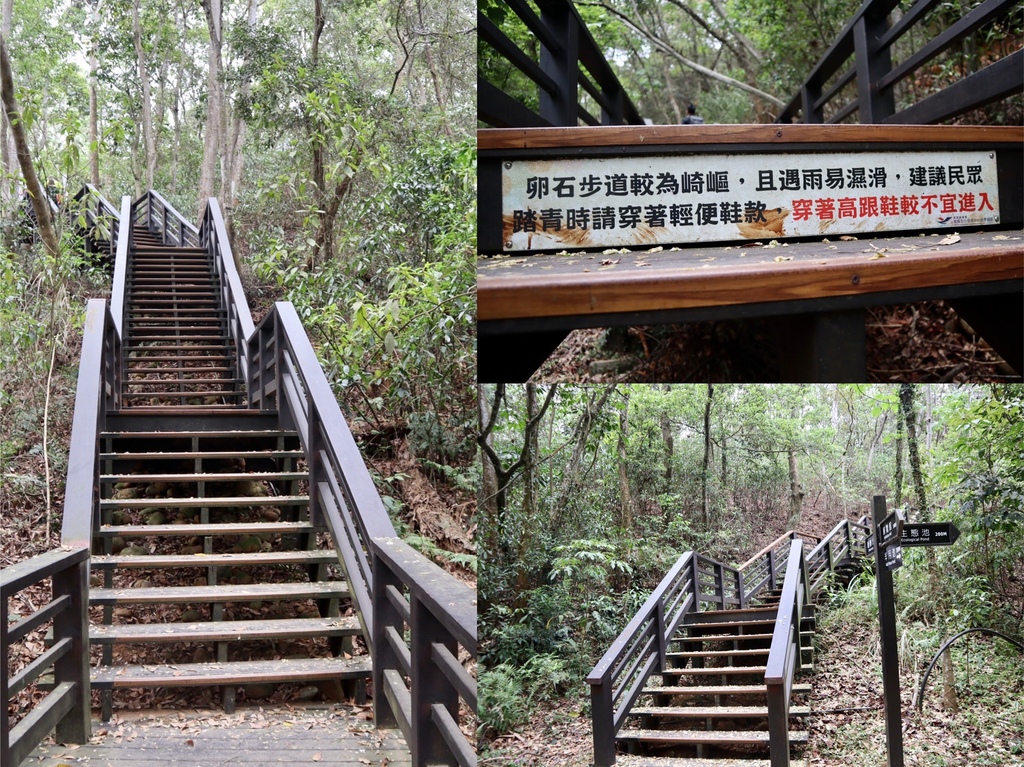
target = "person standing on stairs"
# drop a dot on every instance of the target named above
(692, 118)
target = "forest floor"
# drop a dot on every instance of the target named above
(917, 343)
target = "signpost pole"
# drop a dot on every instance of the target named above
(890, 659)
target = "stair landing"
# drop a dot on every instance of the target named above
(331, 734)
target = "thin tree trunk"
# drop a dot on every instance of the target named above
(625, 498)
(705, 501)
(40, 201)
(898, 476)
(211, 139)
(796, 492)
(8, 194)
(147, 107)
(910, 419)
(489, 511)
(527, 532)
(668, 439)
(94, 133)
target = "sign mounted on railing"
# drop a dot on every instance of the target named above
(677, 199)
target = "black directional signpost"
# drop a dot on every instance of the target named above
(892, 533)
(887, 538)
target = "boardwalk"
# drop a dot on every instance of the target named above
(335, 735)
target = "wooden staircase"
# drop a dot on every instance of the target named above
(710, 704)
(176, 344)
(209, 571)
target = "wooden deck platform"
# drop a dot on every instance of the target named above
(322, 734)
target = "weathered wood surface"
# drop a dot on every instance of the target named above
(700, 276)
(334, 735)
(676, 135)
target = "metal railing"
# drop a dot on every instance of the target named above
(869, 39)
(153, 213)
(436, 610)
(692, 582)
(66, 706)
(569, 59)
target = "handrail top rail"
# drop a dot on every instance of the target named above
(451, 601)
(604, 665)
(20, 575)
(775, 666)
(170, 208)
(776, 134)
(318, 391)
(108, 207)
(235, 282)
(790, 535)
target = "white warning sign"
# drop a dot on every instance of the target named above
(662, 200)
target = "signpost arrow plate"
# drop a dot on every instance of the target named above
(929, 534)
(888, 531)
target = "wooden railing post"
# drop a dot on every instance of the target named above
(771, 571)
(560, 65)
(661, 638)
(73, 623)
(872, 62)
(385, 657)
(604, 728)
(429, 686)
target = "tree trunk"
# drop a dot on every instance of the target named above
(898, 476)
(8, 194)
(705, 501)
(211, 139)
(910, 419)
(796, 492)
(490, 512)
(147, 106)
(570, 475)
(527, 531)
(94, 117)
(625, 498)
(40, 200)
(950, 702)
(668, 439)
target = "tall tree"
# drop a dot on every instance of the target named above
(625, 497)
(40, 200)
(149, 140)
(214, 104)
(705, 501)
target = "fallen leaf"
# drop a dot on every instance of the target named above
(878, 254)
(190, 742)
(317, 756)
(658, 248)
(951, 240)
(782, 258)
(641, 263)
(847, 238)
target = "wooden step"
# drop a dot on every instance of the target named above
(173, 394)
(189, 381)
(239, 434)
(195, 503)
(718, 616)
(225, 358)
(711, 625)
(135, 336)
(254, 592)
(719, 654)
(729, 689)
(720, 671)
(213, 454)
(249, 672)
(628, 760)
(235, 528)
(224, 631)
(295, 557)
(721, 637)
(714, 712)
(255, 476)
(730, 737)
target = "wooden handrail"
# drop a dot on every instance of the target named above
(869, 38)
(162, 218)
(440, 613)
(784, 656)
(286, 377)
(569, 59)
(213, 237)
(117, 290)
(66, 706)
(93, 397)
